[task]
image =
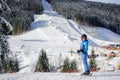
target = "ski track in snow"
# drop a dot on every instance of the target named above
(55, 34)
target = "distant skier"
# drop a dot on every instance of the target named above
(84, 53)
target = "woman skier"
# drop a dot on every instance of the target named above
(84, 53)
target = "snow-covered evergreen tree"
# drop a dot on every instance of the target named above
(73, 65)
(66, 65)
(42, 64)
(69, 66)
(6, 65)
(92, 62)
(13, 65)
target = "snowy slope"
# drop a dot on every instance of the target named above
(102, 35)
(107, 35)
(55, 34)
(107, 1)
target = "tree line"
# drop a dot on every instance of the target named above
(90, 13)
(21, 14)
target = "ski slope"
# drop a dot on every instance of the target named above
(106, 1)
(55, 34)
(103, 34)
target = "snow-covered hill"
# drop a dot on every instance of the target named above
(55, 34)
(107, 1)
(102, 34)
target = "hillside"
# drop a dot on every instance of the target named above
(94, 14)
(102, 34)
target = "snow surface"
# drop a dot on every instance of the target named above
(58, 36)
(107, 1)
(60, 76)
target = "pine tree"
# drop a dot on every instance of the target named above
(69, 66)
(43, 63)
(13, 66)
(16, 66)
(92, 62)
(4, 52)
(73, 65)
(66, 65)
(6, 64)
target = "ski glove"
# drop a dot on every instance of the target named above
(78, 51)
(82, 50)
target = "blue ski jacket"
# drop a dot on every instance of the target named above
(84, 46)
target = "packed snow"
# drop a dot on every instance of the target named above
(58, 36)
(107, 1)
(60, 76)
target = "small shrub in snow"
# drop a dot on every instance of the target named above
(69, 66)
(66, 65)
(92, 62)
(73, 66)
(13, 66)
